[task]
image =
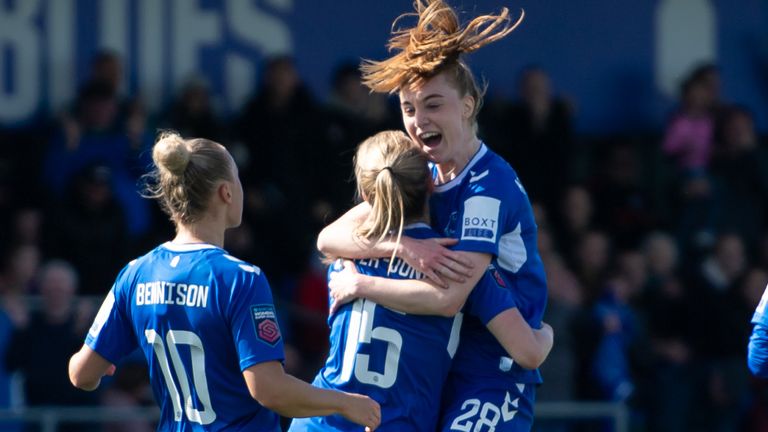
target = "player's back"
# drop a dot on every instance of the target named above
(399, 360)
(188, 304)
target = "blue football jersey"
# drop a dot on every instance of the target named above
(201, 317)
(487, 209)
(399, 360)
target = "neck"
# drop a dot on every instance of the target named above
(199, 232)
(449, 169)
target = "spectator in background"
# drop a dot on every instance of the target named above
(573, 219)
(192, 113)
(666, 309)
(100, 142)
(592, 262)
(129, 389)
(539, 137)
(91, 220)
(740, 178)
(721, 334)
(622, 202)
(279, 128)
(352, 114)
(689, 141)
(617, 332)
(41, 349)
(20, 270)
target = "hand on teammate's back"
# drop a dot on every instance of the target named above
(343, 286)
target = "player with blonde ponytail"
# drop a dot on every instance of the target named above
(189, 304)
(481, 208)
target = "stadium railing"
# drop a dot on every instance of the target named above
(49, 418)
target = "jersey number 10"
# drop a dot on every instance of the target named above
(172, 339)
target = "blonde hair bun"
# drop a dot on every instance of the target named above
(171, 153)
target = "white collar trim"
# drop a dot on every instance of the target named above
(187, 247)
(456, 181)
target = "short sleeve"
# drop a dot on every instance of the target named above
(757, 352)
(111, 334)
(490, 297)
(253, 320)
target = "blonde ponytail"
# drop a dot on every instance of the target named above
(392, 175)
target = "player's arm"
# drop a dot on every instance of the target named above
(87, 368)
(338, 239)
(757, 354)
(429, 256)
(290, 397)
(419, 297)
(528, 347)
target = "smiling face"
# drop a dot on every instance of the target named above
(440, 120)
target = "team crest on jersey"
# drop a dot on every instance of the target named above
(265, 323)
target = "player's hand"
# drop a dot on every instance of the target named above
(432, 258)
(362, 410)
(344, 286)
(547, 337)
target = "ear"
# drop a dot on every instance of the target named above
(468, 106)
(225, 192)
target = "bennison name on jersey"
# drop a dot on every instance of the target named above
(171, 293)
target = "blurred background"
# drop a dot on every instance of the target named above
(638, 129)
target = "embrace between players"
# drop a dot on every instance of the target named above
(436, 306)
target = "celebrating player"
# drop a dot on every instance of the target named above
(205, 320)
(479, 201)
(400, 360)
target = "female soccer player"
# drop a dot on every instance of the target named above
(478, 200)
(757, 355)
(400, 360)
(204, 319)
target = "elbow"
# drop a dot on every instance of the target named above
(270, 400)
(448, 307)
(324, 242)
(83, 383)
(530, 362)
(79, 379)
(267, 394)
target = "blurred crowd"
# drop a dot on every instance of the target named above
(655, 243)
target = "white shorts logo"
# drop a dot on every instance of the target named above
(481, 219)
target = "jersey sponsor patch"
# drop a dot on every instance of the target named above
(481, 219)
(265, 323)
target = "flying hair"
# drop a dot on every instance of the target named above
(436, 42)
